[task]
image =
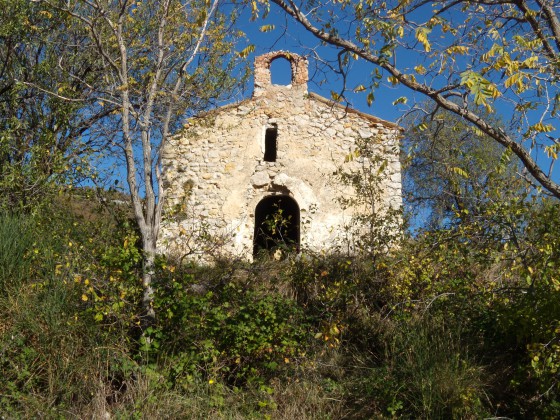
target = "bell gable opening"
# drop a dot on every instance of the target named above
(281, 71)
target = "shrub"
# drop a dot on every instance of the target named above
(226, 328)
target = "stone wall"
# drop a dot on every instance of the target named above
(215, 173)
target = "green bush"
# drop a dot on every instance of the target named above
(227, 329)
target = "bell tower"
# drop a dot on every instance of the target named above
(263, 81)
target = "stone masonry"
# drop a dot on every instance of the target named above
(232, 166)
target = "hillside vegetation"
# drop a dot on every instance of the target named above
(461, 321)
(456, 315)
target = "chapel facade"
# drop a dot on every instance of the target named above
(259, 174)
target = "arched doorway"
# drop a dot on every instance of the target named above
(277, 222)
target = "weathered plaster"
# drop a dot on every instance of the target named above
(215, 174)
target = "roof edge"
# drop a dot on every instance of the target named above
(355, 111)
(310, 95)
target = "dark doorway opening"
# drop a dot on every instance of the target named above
(270, 143)
(277, 220)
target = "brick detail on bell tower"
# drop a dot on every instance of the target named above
(263, 81)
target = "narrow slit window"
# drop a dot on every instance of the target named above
(270, 144)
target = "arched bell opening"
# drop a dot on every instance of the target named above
(287, 69)
(281, 71)
(277, 220)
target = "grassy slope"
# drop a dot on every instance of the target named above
(453, 333)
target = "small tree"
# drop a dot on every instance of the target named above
(452, 168)
(41, 103)
(377, 226)
(160, 61)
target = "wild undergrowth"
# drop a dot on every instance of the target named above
(443, 327)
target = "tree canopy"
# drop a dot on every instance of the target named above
(471, 58)
(449, 168)
(41, 123)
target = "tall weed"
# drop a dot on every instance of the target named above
(16, 241)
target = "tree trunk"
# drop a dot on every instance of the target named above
(148, 272)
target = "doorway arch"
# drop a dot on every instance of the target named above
(277, 224)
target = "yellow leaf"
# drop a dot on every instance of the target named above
(254, 8)
(335, 96)
(84, 298)
(359, 88)
(246, 51)
(551, 151)
(542, 128)
(420, 69)
(457, 49)
(510, 81)
(531, 62)
(393, 80)
(422, 37)
(401, 100)
(460, 172)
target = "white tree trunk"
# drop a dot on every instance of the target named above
(148, 272)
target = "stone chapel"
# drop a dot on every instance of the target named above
(249, 176)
